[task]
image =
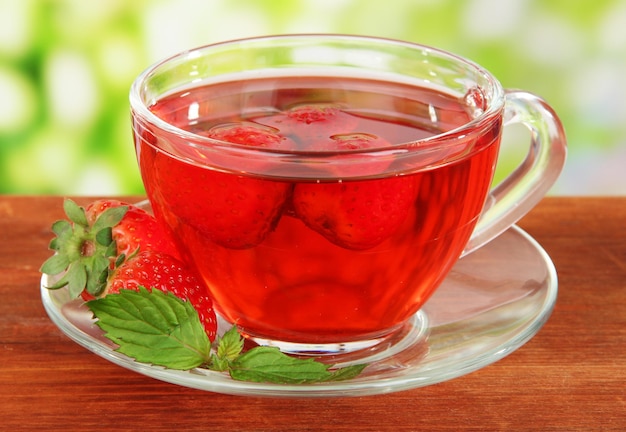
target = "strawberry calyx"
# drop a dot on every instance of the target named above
(84, 251)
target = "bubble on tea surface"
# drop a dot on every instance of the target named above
(476, 101)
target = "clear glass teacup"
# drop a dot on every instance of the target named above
(323, 186)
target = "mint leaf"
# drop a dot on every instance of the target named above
(269, 364)
(153, 327)
(230, 345)
(347, 372)
(161, 329)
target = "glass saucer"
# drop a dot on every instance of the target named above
(494, 300)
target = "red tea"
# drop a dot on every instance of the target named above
(318, 252)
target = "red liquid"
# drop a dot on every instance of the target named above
(320, 259)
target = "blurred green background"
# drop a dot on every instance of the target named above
(66, 67)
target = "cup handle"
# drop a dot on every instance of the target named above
(518, 193)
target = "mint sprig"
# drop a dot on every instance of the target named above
(269, 364)
(153, 327)
(159, 328)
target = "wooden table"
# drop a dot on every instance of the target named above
(570, 376)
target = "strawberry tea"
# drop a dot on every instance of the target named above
(328, 258)
(321, 203)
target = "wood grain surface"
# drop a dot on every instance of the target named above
(570, 376)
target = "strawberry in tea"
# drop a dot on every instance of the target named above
(322, 201)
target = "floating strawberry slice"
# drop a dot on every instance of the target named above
(356, 141)
(250, 134)
(349, 164)
(311, 123)
(355, 215)
(314, 113)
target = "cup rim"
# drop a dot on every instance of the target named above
(140, 107)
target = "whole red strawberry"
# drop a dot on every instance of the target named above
(232, 210)
(112, 245)
(155, 270)
(91, 240)
(355, 215)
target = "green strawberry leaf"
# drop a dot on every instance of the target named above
(76, 278)
(61, 227)
(97, 273)
(75, 213)
(161, 329)
(109, 218)
(55, 264)
(105, 236)
(153, 327)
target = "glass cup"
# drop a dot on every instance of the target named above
(323, 186)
